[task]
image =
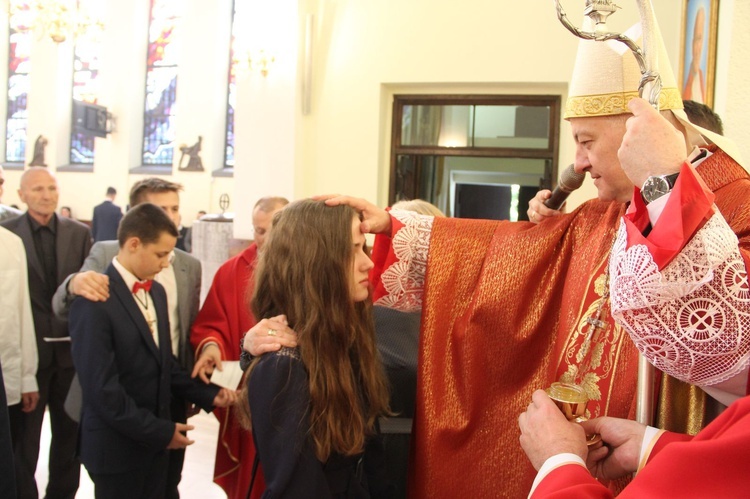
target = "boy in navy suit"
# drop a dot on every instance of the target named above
(121, 350)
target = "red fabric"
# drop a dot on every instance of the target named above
(382, 257)
(689, 206)
(713, 464)
(145, 285)
(496, 293)
(224, 319)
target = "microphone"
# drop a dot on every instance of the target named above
(568, 182)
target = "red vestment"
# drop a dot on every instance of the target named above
(713, 464)
(505, 313)
(224, 319)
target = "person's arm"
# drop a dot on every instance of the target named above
(89, 282)
(401, 261)
(93, 354)
(681, 276)
(279, 400)
(201, 394)
(557, 449)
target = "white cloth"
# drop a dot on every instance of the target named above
(552, 463)
(18, 354)
(167, 279)
(142, 299)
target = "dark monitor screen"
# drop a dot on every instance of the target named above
(89, 119)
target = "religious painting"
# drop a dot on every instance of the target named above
(700, 23)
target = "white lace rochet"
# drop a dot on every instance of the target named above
(692, 318)
(404, 280)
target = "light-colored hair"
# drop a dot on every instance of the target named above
(419, 206)
(269, 204)
(305, 273)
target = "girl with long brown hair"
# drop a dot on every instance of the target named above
(314, 408)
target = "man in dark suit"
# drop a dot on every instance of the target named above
(107, 216)
(55, 248)
(122, 350)
(181, 280)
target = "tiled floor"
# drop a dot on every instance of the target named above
(196, 475)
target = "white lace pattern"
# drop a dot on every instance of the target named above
(404, 280)
(692, 318)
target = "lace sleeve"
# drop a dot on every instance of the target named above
(404, 279)
(690, 319)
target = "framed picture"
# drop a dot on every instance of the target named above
(700, 25)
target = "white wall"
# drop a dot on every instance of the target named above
(364, 52)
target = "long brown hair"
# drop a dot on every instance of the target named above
(304, 272)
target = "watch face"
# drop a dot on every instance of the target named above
(654, 188)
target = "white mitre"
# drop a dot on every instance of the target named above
(606, 77)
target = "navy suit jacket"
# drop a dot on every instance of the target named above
(105, 222)
(127, 381)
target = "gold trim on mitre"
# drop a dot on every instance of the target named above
(586, 106)
(606, 75)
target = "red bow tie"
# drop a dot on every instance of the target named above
(145, 285)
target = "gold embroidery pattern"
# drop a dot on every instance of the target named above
(615, 103)
(591, 360)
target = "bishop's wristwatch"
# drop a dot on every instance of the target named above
(657, 185)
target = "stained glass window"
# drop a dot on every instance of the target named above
(85, 87)
(231, 92)
(19, 69)
(161, 82)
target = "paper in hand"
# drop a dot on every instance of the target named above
(230, 375)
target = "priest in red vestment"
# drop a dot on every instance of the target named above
(679, 287)
(216, 336)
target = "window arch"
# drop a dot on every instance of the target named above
(231, 94)
(19, 80)
(161, 82)
(85, 87)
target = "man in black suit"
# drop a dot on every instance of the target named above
(122, 351)
(107, 216)
(55, 247)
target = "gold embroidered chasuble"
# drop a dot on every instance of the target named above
(497, 293)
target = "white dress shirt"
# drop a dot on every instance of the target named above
(167, 279)
(142, 299)
(18, 354)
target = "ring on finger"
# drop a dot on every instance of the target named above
(272, 332)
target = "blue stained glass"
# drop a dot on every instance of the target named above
(85, 88)
(231, 93)
(161, 82)
(19, 67)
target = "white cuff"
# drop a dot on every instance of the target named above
(730, 390)
(555, 462)
(29, 384)
(649, 439)
(209, 343)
